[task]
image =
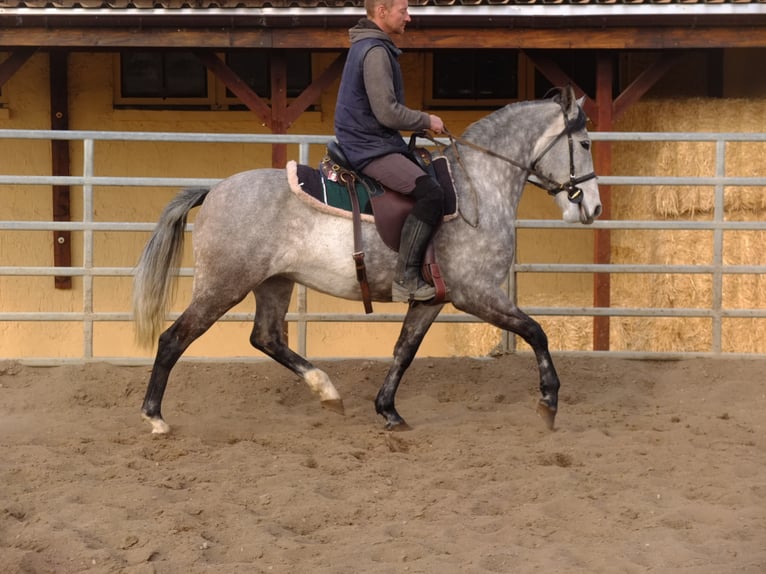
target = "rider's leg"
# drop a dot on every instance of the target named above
(408, 284)
(401, 174)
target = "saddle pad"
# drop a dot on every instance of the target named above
(309, 183)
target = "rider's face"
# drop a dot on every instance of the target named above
(394, 19)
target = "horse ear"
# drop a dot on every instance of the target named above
(568, 97)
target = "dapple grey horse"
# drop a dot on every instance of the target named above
(253, 234)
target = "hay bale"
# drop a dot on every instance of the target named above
(687, 203)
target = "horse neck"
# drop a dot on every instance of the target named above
(514, 132)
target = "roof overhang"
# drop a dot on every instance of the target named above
(538, 25)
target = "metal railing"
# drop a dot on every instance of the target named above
(301, 317)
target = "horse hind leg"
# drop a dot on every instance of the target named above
(192, 323)
(272, 301)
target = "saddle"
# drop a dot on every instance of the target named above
(367, 199)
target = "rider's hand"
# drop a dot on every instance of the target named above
(437, 125)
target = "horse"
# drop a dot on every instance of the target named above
(253, 234)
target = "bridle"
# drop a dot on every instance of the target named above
(553, 187)
(574, 193)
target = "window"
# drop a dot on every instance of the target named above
(476, 78)
(255, 69)
(179, 80)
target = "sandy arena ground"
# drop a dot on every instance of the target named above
(654, 467)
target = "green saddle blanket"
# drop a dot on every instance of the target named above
(332, 193)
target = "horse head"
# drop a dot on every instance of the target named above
(564, 162)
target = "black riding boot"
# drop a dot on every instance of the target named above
(408, 284)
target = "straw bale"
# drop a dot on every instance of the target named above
(695, 159)
(744, 159)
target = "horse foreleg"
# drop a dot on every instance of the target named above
(272, 301)
(500, 312)
(416, 324)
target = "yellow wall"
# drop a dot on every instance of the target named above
(91, 78)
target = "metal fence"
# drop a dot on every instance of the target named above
(301, 317)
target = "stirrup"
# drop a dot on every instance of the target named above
(401, 293)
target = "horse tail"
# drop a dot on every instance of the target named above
(155, 276)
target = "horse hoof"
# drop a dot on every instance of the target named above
(396, 423)
(335, 405)
(159, 426)
(400, 426)
(547, 413)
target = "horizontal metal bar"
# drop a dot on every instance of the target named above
(236, 317)
(678, 136)
(644, 225)
(655, 312)
(520, 223)
(76, 180)
(731, 181)
(195, 137)
(256, 359)
(79, 226)
(126, 181)
(636, 268)
(191, 137)
(664, 269)
(78, 271)
(644, 312)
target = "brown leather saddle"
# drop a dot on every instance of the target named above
(390, 209)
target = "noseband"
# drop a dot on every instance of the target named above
(574, 193)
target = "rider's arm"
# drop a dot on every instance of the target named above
(379, 83)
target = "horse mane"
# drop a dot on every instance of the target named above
(475, 130)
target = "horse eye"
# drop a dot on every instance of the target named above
(585, 144)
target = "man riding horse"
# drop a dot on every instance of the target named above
(369, 114)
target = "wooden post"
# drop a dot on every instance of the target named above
(603, 160)
(279, 122)
(59, 105)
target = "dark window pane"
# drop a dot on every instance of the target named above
(497, 75)
(141, 75)
(475, 74)
(451, 77)
(162, 75)
(185, 76)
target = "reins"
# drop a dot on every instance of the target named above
(574, 193)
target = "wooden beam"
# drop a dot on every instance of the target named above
(556, 76)
(643, 83)
(313, 92)
(59, 104)
(237, 85)
(98, 38)
(551, 70)
(12, 63)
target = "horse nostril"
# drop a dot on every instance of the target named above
(597, 211)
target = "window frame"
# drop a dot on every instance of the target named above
(525, 87)
(160, 102)
(216, 99)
